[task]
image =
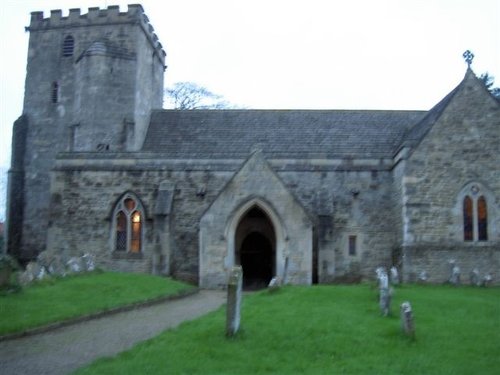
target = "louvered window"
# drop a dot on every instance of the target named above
(68, 46)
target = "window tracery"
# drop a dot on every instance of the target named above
(475, 214)
(128, 220)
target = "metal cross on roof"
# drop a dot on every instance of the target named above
(468, 57)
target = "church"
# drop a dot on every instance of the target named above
(310, 196)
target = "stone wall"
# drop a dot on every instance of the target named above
(340, 204)
(434, 260)
(460, 149)
(81, 101)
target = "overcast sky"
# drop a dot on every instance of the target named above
(356, 54)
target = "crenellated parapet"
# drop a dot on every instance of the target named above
(97, 17)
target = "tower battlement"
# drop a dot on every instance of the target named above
(95, 17)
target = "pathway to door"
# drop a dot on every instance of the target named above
(66, 349)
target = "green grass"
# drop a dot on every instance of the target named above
(64, 298)
(330, 330)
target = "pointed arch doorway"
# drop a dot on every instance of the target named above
(255, 248)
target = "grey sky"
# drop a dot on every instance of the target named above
(356, 54)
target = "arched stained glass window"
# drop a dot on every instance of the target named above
(482, 219)
(475, 213)
(121, 231)
(468, 220)
(135, 244)
(128, 224)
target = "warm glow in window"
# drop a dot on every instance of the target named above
(128, 225)
(135, 245)
(475, 215)
(482, 219)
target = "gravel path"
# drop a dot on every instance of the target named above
(66, 349)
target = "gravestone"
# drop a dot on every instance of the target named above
(385, 293)
(74, 265)
(274, 284)
(423, 277)
(394, 276)
(407, 324)
(487, 280)
(474, 277)
(89, 262)
(455, 273)
(57, 267)
(234, 292)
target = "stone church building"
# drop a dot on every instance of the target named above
(313, 196)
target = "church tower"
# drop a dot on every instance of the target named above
(91, 83)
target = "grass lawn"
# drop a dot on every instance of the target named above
(330, 330)
(74, 296)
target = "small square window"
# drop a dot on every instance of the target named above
(352, 245)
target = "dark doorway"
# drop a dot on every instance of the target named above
(255, 249)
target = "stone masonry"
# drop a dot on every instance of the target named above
(306, 196)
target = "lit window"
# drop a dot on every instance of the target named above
(475, 216)
(482, 219)
(68, 46)
(128, 228)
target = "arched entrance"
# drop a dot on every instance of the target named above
(255, 248)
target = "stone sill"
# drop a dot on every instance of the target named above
(127, 255)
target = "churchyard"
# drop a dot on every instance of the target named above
(54, 300)
(324, 329)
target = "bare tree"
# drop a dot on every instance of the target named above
(189, 95)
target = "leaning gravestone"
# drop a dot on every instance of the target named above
(234, 291)
(407, 324)
(274, 284)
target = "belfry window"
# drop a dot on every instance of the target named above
(128, 225)
(55, 92)
(68, 46)
(475, 216)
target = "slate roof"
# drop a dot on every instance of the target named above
(416, 133)
(278, 133)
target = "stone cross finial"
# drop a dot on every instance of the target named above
(468, 57)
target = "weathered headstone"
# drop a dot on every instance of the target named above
(385, 293)
(394, 276)
(31, 273)
(74, 265)
(474, 277)
(42, 274)
(274, 284)
(407, 324)
(234, 292)
(89, 261)
(487, 280)
(423, 277)
(455, 273)
(56, 267)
